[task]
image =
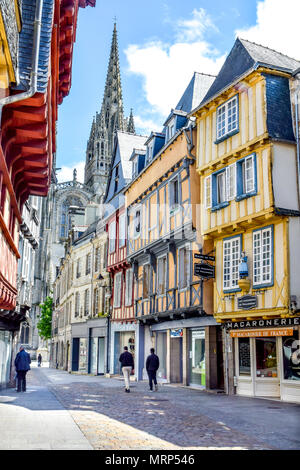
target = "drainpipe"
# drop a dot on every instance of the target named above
(190, 143)
(35, 59)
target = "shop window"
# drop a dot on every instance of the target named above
(291, 356)
(266, 360)
(244, 356)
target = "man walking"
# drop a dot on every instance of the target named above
(152, 365)
(127, 365)
(39, 360)
(22, 366)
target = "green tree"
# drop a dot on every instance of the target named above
(45, 318)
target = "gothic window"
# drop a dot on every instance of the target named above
(65, 217)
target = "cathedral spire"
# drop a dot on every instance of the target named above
(104, 127)
(131, 127)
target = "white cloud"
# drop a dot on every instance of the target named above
(276, 26)
(145, 126)
(194, 29)
(66, 172)
(167, 70)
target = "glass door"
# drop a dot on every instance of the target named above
(197, 358)
(101, 355)
(267, 381)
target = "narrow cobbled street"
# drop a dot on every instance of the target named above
(64, 411)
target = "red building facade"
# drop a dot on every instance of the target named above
(36, 48)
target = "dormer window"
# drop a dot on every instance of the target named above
(135, 167)
(171, 129)
(116, 178)
(150, 151)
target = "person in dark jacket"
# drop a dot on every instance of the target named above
(127, 366)
(152, 365)
(22, 365)
(39, 360)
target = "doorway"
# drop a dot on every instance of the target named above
(257, 366)
(101, 356)
(176, 360)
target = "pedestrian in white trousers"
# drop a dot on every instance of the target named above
(127, 366)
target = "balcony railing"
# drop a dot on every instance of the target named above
(172, 301)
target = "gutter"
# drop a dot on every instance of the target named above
(35, 58)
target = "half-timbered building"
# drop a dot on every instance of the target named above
(246, 158)
(171, 302)
(124, 329)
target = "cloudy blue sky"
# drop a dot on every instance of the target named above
(161, 44)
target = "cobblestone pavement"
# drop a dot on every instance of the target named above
(112, 419)
(94, 412)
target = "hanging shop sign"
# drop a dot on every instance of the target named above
(267, 332)
(204, 257)
(204, 270)
(247, 302)
(272, 322)
(177, 333)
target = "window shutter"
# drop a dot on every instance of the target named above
(112, 237)
(231, 182)
(249, 174)
(128, 290)
(207, 192)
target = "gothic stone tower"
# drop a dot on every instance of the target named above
(105, 124)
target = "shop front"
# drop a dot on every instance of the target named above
(123, 334)
(267, 358)
(89, 347)
(5, 357)
(189, 352)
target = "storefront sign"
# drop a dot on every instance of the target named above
(176, 333)
(262, 333)
(204, 270)
(281, 322)
(204, 257)
(247, 302)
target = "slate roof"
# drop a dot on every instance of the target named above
(124, 145)
(128, 142)
(243, 57)
(26, 43)
(195, 91)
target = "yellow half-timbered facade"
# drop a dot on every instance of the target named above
(172, 303)
(246, 159)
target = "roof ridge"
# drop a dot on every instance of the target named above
(269, 48)
(205, 74)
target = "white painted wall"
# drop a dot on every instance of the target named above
(284, 175)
